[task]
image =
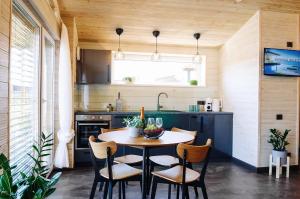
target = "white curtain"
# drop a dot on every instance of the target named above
(65, 133)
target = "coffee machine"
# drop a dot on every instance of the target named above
(208, 104)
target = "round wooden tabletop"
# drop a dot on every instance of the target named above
(167, 139)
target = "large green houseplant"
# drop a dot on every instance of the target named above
(34, 185)
(279, 143)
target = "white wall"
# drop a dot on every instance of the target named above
(239, 88)
(278, 94)
(136, 96)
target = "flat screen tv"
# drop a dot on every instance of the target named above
(281, 62)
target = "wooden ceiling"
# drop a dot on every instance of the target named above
(177, 20)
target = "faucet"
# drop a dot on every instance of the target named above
(158, 105)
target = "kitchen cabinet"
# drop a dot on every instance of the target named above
(217, 126)
(204, 125)
(223, 134)
(94, 67)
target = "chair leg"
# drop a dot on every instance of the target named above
(120, 190)
(92, 194)
(110, 190)
(141, 185)
(154, 186)
(183, 191)
(196, 192)
(123, 190)
(105, 190)
(177, 192)
(101, 186)
(169, 191)
(204, 191)
(187, 192)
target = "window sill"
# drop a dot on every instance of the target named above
(156, 85)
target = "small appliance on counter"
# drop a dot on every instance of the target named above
(201, 105)
(216, 105)
(208, 104)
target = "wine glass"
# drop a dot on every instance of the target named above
(151, 121)
(159, 122)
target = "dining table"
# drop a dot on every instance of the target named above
(123, 138)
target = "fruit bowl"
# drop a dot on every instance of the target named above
(153, 134)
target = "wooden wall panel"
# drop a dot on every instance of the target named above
(279, 95)
(5, 16)
(239, 88)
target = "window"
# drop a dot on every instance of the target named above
(30, 88)
(171, 70)
(47, 88)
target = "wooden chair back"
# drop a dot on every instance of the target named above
(100, 149)
(192, 133)
(103, 130)
(193, 154)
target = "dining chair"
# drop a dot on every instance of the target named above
(168, 160)
(107, 172)
(131, 159)
(183, 176)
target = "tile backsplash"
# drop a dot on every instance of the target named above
(97, 97)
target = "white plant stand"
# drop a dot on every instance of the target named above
(279, 166)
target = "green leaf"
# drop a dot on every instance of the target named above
(49, 192)
(5, 182)
(54, 179)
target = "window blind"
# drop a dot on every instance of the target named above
(24, 89)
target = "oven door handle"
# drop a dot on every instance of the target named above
(89, 124)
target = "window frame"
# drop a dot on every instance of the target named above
(200, 85)
(23, 9)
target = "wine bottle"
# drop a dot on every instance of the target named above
(142, 117)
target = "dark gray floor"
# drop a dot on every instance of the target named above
(223, 180)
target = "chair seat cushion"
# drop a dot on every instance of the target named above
(174, 174)
(129, 159)
(164, 160)
(120, 171)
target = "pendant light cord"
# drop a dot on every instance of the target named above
(197, 48)
(119, 43)
(156, 45)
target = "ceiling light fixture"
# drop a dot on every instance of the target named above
(119, 54)
(155, 56)
(197, 57)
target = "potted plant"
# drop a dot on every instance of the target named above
(34, 184)
(133, 124)
(279, 142)
(193, 82)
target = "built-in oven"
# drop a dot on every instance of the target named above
(85, 126)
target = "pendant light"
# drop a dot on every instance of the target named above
(197, 57)
(119, 55)
(155, 56)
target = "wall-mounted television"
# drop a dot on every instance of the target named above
(281, 62)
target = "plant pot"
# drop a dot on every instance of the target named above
(133, 132)
(279, 154)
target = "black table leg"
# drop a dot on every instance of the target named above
(148, 173)
(144, 176)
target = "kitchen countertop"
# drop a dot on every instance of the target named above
(96, 112)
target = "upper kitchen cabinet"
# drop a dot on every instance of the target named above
(94, 67)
